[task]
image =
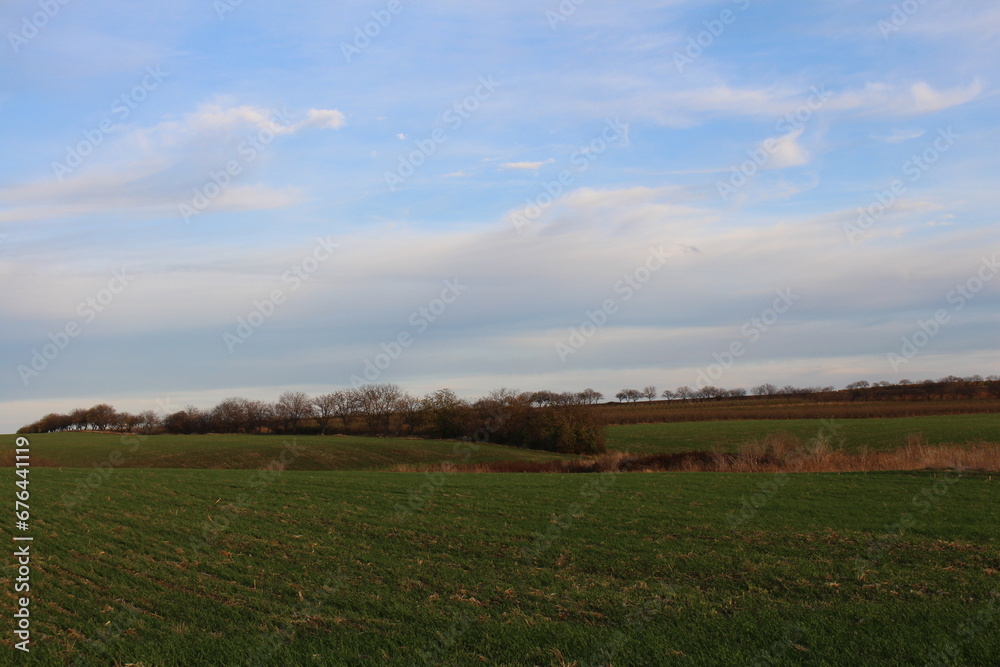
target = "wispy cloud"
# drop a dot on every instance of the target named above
(530, 166)
(898, 136)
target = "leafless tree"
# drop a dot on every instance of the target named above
(766, 389)
(102, 416)
(326, 409)
(444, 413)
(230, 415)
(376, 403)
(649, 393)
(149, 422)
(79, 419)
(589, 396)
(408, 413)
(292, 407)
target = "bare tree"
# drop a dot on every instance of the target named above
(230, 416)
(443, 410)
(259, 415)
(127, 422)
(376, 403)
(292, 407)
(766, 389)
(709, 391)
(589, 396)
(685, 392)
(649, 393)
(149, 422)
(541, 398)
(408, 413)
(79, 419)
(669, 395)
(326, 409)
(102, 416)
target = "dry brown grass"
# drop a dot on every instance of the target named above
(778, 452)
(7, 460)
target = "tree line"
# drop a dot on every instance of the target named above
(950, 386)
(562, 422)
(559, 422)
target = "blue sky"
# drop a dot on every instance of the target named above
(576, 194)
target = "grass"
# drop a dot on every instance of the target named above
(688, 569)
(778, 453)
(852, 434)
(311, 452)
(815, 406)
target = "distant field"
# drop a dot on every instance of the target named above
(321, 568)
(780, 407)
(853, 433)
(84, 450)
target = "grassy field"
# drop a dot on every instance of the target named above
(852, 434)
(87, 450)
(787, 407)
(213, 567)
(310, 452)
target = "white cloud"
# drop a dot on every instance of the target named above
(899, 100)
(153, 170)
(327, 119)
(788, 152)
(898, 136)
(531, 166)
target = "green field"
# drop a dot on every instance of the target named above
(183, 567)
(86, 450)
(310, 452)
(852, 434)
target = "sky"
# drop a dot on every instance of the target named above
(205, 199)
